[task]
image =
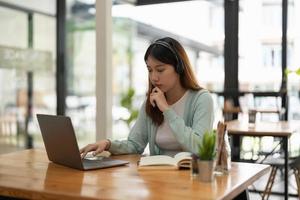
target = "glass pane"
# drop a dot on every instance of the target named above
(44, 78)
(11, 56)
(81, 68)
(13, 22)
(293, 59)
(260, 45)
(17, 61)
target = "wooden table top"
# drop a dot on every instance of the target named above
(261, 128)
(29, 174)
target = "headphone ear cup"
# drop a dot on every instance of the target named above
(179, 67)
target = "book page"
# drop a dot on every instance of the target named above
(183, 159)
(157, 160)
(182, 155)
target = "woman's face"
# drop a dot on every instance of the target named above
(162, 75)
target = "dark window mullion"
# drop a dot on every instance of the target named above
(284, 57)
(231, 83)
(61, 87)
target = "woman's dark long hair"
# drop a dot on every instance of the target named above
(165, 55)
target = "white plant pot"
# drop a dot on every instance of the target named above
(206, 170)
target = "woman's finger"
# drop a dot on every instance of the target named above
(86, 149)
(155, 90)
(98, 150)
(81, 150)
(83, 154)
(152, 101)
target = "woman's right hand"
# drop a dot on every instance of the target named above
(97, 147)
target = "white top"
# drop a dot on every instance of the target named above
(165, 138)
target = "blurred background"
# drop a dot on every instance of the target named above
(28, 60)
(243, 51)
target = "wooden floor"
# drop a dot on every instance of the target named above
(7, 146)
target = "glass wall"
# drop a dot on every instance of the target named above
(44, 77)
(10, 21)
(293, 34)
(20, 55)
(293, 65)
(260, 45)
(260, 64)
(81, 68)
(260, 51)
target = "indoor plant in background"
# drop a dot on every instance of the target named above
(207, 154)
(127, 102)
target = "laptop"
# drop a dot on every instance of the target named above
(62, 148)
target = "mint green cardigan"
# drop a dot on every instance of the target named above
(197, 118)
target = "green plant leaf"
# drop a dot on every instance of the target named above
(207, 146)
(127, 98)
(127, 102)
(287, 72)
(298, 71)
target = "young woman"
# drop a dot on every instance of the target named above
(177, 110)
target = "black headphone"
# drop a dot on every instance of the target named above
(179, 68)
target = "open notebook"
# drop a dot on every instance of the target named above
(160, 162)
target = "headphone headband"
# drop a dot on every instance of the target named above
(179, 68)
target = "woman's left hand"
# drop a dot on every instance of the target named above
(157, 98)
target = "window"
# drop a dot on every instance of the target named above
(260, 45)
(17, 59)
(81, 68)
(293, 63)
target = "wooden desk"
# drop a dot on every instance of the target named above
(29, 174)
(282, 129)
(261, 128)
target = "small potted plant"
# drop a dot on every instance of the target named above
(207, 154)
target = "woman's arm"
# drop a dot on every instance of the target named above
(137, 139)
